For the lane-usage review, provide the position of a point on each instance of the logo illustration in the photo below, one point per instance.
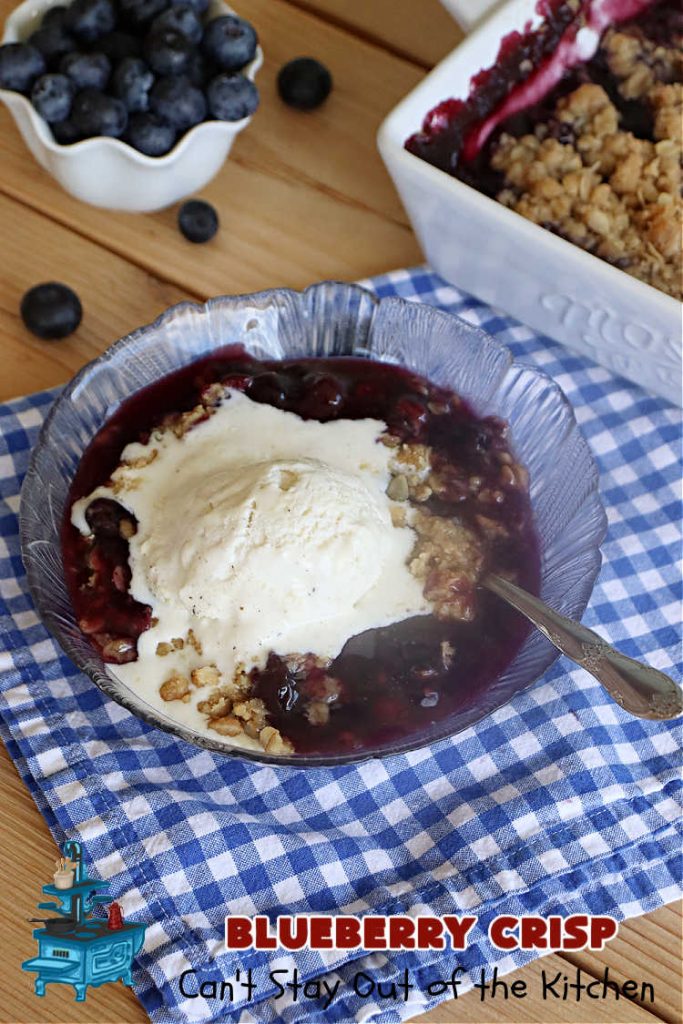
(75, 948)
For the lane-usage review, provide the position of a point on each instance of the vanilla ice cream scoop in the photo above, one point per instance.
(291, 541)
(258, 531)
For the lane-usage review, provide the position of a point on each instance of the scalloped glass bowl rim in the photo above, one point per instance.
(112, 688)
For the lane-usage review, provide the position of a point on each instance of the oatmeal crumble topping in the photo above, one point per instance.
(226, 725)
(253, 713)
(220, 700)
(586, 177)
(318, 713)
(228, 708)
(447, 653)
(448, 557)
(167, 647)
(207, 675)
(176, 687)
(194, 642)
(639, 63)
(142, 460)
(273, 743)
(127, 529)
(119, 648)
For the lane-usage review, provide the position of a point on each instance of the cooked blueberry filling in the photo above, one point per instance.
(596, 158)
(453, 469)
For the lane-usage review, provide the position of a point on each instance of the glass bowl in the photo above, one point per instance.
(328, 319)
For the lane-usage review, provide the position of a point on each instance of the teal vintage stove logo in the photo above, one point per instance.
(75, 948)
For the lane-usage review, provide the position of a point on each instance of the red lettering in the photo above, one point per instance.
(499, 929)
(348, 933)
(375, 937)
(238, 932)
(602, 929)
(430, 933)
(401, 932)
(292, 931)
(554, 932)
(575, 927)
(321, 932)
(262, 937)
(459, 929)
(532, 932)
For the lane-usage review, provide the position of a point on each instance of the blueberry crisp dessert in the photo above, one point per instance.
(578, 128)
(144, 71)
(286, 556)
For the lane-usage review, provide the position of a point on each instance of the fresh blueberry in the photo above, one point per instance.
(119, 45)
(140, 13)
(65, 132)
(304, 83)
(90, 19)
(150, 135)
(51, 310)
(168, 52)
(54, 17)
(271, 387)
(87, 70)
(180, 18)
(95, 113)
(197, 220)
(131, 83)
(104, 518)
(20, 65)
(200, 7)
(199, 70)
(178, 102)
(230, 42)
(53, 43)
(232, 97)
(52, 96)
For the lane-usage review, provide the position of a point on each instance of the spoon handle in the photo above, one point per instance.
(639, 689)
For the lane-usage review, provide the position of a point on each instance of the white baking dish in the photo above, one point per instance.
(509, 262)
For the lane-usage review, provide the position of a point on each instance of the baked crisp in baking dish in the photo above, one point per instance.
(598, 159)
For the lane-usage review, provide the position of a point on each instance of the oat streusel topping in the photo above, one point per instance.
(600, 186)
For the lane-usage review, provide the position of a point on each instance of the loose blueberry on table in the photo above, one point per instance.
(51, 311)
(90, 67)
(391, 685)
(198, 220)
(304, 83)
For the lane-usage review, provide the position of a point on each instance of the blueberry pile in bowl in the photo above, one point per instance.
(143, 71)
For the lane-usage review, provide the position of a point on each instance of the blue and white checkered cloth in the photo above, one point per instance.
(559, 802)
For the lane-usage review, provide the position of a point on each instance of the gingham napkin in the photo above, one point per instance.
(559, 802)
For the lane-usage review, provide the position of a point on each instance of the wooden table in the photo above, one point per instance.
(303, 197)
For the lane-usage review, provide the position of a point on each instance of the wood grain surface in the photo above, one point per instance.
(302, 197)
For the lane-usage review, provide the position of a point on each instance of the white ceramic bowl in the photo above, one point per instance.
(509, 262)
(107, 172)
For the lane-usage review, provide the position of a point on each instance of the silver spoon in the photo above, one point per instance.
(638, 689)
